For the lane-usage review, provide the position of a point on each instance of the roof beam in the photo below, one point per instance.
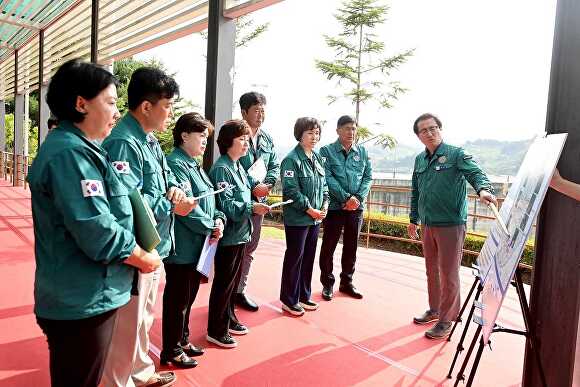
(7, 46)
(19, 24)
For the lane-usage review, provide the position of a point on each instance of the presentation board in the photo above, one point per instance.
(501, 252)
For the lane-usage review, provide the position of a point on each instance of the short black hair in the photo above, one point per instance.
(345, 120)
(250, 99)
(423, 117)
(304, 124)
(150, 84)
(230, 130)
(73, 79)
(189, 123)
(51, 122)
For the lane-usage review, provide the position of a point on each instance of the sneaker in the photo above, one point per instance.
(161, 379)
(179, 361)
(238, 329)
(309, 305)
(426, 318)
(295, 310)
(440, 331)
(226, 341)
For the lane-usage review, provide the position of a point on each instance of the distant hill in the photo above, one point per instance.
(495, 157)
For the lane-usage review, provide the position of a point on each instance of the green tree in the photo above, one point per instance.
(359, 65)
(246, 31)
(123, 69)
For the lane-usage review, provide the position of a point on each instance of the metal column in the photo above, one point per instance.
(219, 73)
(555, 294)
(43, 110)
(2, 126)
(95, 31)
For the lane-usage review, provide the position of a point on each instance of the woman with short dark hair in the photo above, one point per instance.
(303, 182)
(235, 202)
(191, 231)
(80, 282)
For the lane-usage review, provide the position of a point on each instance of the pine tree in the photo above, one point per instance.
(359, 64)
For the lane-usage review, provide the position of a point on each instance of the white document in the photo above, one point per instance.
(207, 256)
(279, 204)
(208, 194)
(258, 170)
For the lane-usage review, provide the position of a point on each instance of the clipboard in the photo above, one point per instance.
(258, 170)
(145, 225)
(207, 256)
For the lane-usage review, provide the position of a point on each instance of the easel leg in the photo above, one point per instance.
(530, 333)
(458, 320)
(465, 328)
(475, 363)
(461, 373)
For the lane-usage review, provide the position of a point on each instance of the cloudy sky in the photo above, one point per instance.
(482, 66)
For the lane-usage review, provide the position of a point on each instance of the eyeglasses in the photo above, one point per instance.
(431, 129)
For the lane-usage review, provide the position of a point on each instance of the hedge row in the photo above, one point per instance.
(387, 225)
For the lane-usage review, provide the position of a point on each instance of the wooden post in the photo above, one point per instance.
(555, 296)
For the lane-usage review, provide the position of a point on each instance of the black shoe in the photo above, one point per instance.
(226, 341)
(179, 361)
(295, 310)
(245, 302)
(309, 305)
(327, 293)
(238, 329)
(350, 291)
(192, 350)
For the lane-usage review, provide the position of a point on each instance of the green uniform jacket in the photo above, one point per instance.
(141, 163)
(83, 228)
(191, 230)
(303, 181)
(265, 151)
(235, 202)
(346, 177)
(439, 189)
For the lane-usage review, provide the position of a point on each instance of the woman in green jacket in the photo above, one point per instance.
(236, 203)
(303, 182)
(191, 231)
(83, 227)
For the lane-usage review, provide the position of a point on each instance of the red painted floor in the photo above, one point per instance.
(369, 342)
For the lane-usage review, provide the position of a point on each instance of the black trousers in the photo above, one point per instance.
(181, 286)
(298, 263)
(336, 221)
(78, 348)
(227, 264)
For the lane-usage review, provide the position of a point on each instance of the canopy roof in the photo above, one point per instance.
(125, 27)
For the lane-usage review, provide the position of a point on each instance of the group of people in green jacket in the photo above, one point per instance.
(96, 287)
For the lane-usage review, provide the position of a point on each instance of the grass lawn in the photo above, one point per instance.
(272, 232)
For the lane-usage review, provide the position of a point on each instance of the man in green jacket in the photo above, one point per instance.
(136, 154)
(439, 204)
(349, 178)
(261, 155)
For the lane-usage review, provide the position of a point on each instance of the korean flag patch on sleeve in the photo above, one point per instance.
(288, 173)
(222, 184)
(92, 188)
(121, 166)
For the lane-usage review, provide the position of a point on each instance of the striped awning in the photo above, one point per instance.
(125, 28)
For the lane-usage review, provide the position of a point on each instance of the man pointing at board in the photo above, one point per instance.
(439, 204)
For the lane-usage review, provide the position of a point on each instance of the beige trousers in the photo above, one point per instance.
(443, 250)
(128, 363)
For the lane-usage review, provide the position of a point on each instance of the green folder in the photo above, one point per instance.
(145, 225)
